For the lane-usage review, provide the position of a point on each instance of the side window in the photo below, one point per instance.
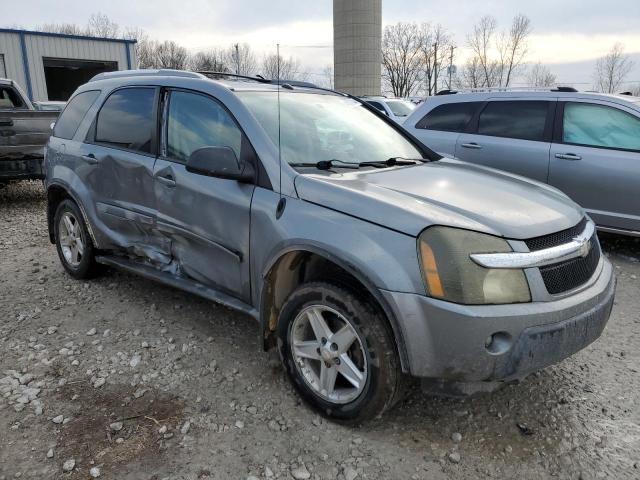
(195, 121)
(73, 114)
(126, 120)
(600, 126)
(9, 98)
(524, 120)
(449, 117)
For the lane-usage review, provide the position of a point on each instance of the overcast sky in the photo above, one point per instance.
(567, 34)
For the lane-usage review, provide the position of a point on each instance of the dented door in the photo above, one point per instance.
(206, 219)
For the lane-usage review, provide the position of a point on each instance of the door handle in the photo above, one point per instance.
(6, 122)
(471, 145)
(568, 156)
(90, 159)
(167, 180)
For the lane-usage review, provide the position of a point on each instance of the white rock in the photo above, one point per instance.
(454, 457)
(25, 379)
(91, 332)
(162, 430)
(240, 424)
(99, 382)
(94, 472)
(50, 453)
(68, 465)
(456, 437)
(350, 473)
(116, 426)
(301, 473)
(140, 392)
(58, 419)
(135, 361)
(185, 428)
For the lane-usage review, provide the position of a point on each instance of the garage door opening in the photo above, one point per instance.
(64, 75)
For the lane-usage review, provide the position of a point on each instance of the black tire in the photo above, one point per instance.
(87, 266)
(384, 385)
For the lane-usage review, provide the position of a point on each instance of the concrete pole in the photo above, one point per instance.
(357, 46)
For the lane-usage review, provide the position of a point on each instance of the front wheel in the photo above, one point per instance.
(339, 352)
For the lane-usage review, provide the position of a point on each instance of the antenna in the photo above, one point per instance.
(279, 142)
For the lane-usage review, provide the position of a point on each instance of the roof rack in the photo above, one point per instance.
(507, 89)
(257, 78)
(163, 72)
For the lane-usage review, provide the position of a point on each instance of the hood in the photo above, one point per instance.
(446, 192)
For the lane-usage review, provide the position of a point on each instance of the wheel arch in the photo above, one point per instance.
(57, 192)
(297, 264)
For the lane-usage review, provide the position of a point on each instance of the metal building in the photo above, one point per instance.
(50, 66)
(357, 46)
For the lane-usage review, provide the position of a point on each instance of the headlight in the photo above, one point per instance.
(450, 274)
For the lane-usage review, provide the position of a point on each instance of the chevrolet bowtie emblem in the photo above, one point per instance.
(585, 247)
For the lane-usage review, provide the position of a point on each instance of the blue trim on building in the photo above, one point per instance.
(66, 35)
(25, 64)
(126, 48)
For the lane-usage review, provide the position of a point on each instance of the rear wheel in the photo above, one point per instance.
(339, 352)
(73, 242)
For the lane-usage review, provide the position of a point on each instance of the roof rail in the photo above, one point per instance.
(257, 78)
(508, 89)
(163, 72)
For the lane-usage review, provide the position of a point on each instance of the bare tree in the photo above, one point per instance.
(327, 73)
(213, 60)
(472, 75)
(497, 56)
(100, 25)
(241, 59)
(540, 76)
(480, 42)
(65, 28)
(437, 54)
(513, 48)
(612, 69)
(402, 58)
(635, 91)
(288, 68)
(169, 54)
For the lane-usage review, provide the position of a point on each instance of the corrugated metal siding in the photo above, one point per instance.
(38, 46)
(10, 48)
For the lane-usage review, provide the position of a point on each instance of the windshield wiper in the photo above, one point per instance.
(327, 164)
(390, 162)
(334, 163)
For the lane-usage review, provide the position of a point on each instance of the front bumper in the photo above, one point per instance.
(448, 341)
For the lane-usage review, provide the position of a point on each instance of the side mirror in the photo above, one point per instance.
(52, 126)
(220, 162)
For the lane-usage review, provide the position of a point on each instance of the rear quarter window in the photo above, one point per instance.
(73, 114)
(9, 98)
(449, 117)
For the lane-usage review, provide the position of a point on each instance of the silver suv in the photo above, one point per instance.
(397, 109)
(585, 144)
(365, 258)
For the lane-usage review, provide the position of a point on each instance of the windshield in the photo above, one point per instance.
(400, 108)
(319, 127)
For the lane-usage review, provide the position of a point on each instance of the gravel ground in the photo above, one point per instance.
(123, 378)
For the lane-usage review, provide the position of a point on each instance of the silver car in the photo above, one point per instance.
(397, 109)
(365, 258)
(585, 144)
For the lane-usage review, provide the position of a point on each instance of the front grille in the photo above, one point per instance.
(555, 239)
(564, 276)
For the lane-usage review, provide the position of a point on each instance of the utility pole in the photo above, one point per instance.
(237, 47)
(451, 65)
(435, 67)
